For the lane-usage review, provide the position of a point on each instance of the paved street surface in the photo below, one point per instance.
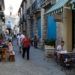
(37, 65)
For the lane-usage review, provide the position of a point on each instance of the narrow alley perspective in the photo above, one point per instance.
(37, 37)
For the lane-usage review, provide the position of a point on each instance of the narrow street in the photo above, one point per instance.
(50, 24)
(37, 65)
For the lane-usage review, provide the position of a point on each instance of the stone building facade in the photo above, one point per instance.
(63, 14)
(34, 21)
(2, 18)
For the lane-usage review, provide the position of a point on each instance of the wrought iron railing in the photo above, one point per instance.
(45, 2)
(34, 6)
(38, 4)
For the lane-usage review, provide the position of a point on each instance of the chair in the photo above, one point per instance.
(12, 56)
(4, 54)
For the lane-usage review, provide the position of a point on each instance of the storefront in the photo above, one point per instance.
(63, 16)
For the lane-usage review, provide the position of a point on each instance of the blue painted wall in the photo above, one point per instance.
(51, 27)
(39, 26)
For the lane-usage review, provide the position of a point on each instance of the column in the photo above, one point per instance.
(28, 26)
(67, 30)
(59, 31)
(43, 26)
(35, 24)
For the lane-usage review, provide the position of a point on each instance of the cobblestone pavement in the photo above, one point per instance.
(37, 65)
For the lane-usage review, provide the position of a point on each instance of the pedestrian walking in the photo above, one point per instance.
(19, 41)
(26, 46)
(35, 41)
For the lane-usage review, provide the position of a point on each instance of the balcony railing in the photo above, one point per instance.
(45, 2)
(36, 5)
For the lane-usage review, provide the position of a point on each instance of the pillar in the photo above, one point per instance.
(35, 24)
(67, 28)
(28, 26)
(59, 31)
(43, 27)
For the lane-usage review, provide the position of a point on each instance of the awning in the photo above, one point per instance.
(57, 7)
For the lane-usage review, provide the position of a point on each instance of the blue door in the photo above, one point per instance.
(51, 27)
(39, 26)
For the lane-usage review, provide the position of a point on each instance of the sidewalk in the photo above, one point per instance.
(37, 65)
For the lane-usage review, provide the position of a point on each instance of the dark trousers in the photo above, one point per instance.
(24, 51)
(35, 44)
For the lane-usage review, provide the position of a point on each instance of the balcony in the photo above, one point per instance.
(36, 6)
(44, 3)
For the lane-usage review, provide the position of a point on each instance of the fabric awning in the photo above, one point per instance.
(57, 7)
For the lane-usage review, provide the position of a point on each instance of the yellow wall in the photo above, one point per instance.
(67, 28)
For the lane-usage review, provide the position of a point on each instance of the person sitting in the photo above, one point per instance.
(61, 46)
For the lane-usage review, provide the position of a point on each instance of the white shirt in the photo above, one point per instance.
(19, 40)
(22, 37)
(59, 48)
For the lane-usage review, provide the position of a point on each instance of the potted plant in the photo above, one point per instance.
(49, 46)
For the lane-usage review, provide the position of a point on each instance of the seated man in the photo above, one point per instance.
(60, 47)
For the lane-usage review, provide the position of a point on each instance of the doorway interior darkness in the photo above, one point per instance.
(73, 28)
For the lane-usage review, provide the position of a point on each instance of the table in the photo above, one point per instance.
(64, 57)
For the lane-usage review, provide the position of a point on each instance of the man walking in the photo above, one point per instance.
(26, 46)
(19, 41)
